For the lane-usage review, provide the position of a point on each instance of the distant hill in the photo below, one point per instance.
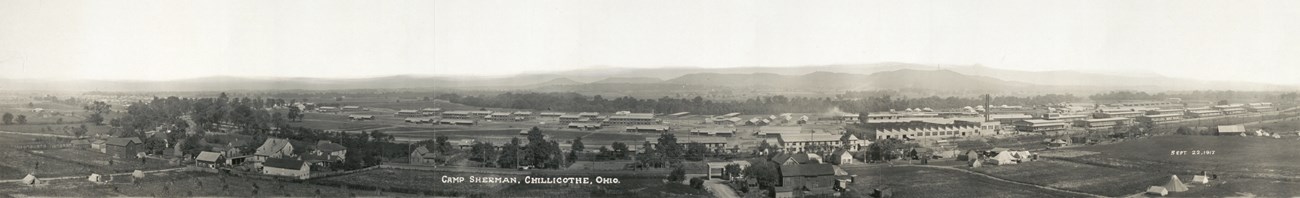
(889, 75)
(941, 80)
(628, 80)
(557, 82)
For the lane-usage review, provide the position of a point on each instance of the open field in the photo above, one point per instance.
(337, 125)
(1239, 187)
(627, 187)
(42, 166)
(195, 184)
(432, 181)
(1232, 156)
(1077, 177)
(55, 129)
(404, 104)
(419, 180)
(557, 135)
(1285, 128)
(102, 161)
(906, 181)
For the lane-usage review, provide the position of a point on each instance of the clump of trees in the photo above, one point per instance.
(889, 149)
(763, 171)
(537, 153)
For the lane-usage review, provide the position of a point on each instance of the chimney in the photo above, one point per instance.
(987, 101)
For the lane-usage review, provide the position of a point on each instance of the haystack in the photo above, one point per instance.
(137, 174)
(1174, 185)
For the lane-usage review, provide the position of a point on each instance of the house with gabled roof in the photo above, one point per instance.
(273, 148)
(330, 150)
(423, 156)
(809, 179)
(127, 148)
(209, 159)
(286, 167)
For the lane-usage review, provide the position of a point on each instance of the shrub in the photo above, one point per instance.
(677, 175)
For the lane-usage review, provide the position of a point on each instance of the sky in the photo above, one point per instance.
(1238, 40)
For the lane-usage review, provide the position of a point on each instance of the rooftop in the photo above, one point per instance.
(283, 163)
(807, 170)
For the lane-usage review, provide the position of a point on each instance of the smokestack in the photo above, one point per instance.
(987, 101)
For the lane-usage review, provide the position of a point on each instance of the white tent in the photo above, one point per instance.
(1200, 179)
(1003, 158)
(1023, 156)
(137, 174)
(95, 178)
(31, 180)
(1175, 185)
(1157, 190)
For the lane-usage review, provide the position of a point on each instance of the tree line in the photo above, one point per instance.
(574, 102)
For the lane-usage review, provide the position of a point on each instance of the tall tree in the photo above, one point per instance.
(95, 118)
(577, 144)
(669, 148)
(8, 118)
(509, 157)
(576, 148)
(696, 151)
(294, 113)
(620, 150)
(764, 171)
(22, 119)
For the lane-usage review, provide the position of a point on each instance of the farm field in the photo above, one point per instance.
(196, 184)
(1239, 187)
(627, 187)
(1286, 128)
(431, 181)
(55, 129)
(1077, 177)
(419, 180)
(101, 161)
(906, 181)
(41, 166)
(405, 104)
(559, 136)
(337, 125)
(1265, 155)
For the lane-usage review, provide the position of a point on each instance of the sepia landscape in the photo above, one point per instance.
(681, 99)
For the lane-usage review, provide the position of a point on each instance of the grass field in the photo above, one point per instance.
(101, 161)
(56, 129)
(42, 166)
(337, 125)
(196, 184)
(422, 180)
(932, 182)
(1288, 127)
(559, 136)
(1078, 177)
(405, 104)
(1233, 156)
(431, 180)
(1240, 187)
(627, 187)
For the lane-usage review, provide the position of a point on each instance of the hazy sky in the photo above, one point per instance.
(1223, 40)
